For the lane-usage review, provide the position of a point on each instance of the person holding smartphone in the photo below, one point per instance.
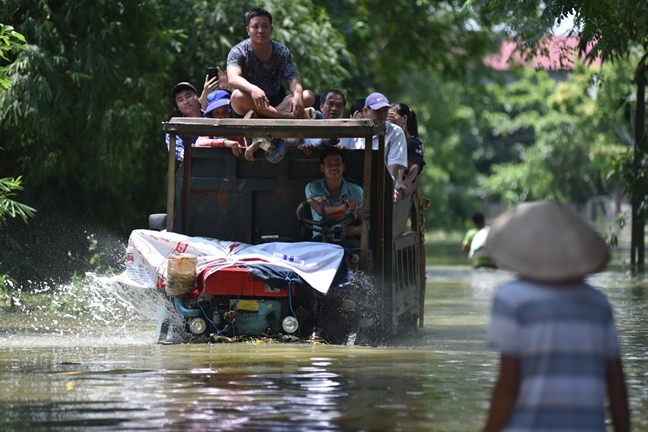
(215, 80)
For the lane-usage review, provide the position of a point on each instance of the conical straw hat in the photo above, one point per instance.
(546, 241)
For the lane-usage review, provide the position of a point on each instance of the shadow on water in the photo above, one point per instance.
(88, 360)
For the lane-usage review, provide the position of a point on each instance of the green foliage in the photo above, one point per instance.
(567, 160)
(617, 98)
(613, 30)
(534, 138)
(610, 27)
(446, 163)
(84, 103)
(390, 38)
(10, 40)
(9, 207)
(633, 173)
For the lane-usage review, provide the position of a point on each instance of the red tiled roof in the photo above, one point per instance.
(548, 57)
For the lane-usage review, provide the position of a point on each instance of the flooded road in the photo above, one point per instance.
(102, 369)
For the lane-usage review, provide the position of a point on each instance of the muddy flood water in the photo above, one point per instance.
(96, 366)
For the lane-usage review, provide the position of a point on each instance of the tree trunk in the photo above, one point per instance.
(637, 256)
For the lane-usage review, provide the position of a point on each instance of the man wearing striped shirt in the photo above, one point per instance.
(556, 333)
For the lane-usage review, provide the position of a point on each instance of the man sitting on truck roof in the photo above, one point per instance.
(255, 69)
(340, 196)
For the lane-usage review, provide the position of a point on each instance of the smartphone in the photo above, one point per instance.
(212, 72)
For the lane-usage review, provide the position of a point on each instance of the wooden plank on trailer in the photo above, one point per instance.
(273, 128)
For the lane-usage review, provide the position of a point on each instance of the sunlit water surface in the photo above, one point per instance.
(98, 367)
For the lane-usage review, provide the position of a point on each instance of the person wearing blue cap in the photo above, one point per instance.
(218, 108)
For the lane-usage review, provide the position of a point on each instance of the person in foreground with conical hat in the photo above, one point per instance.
(555, 332)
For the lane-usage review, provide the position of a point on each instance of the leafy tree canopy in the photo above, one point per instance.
(613, 27)
(10, 40)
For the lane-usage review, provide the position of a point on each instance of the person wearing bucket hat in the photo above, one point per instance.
(218, 103)
(556, 333)
(218, 108)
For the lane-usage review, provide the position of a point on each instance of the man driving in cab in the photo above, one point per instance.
(340, 197)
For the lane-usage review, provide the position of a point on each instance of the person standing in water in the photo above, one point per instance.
(556, 334)
(474, 243)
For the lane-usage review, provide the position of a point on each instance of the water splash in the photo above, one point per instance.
(91, 310)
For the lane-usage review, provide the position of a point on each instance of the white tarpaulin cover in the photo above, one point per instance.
(148, 252)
